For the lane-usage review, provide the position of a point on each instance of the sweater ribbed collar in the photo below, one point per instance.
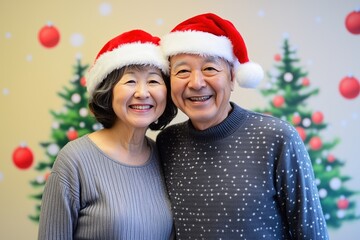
(227, 127)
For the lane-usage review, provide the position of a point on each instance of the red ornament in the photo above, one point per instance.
(296, 119)
(277, 57)
(46, 176)
(315, 143)
(83, 81)
(343, 203)
(317, 117)
(301, 132)
(349, 87)
(278, 101)
(72, 134)
(305, 82)
(23, 157)
(352, 22)
(331, 158)
(49, 36)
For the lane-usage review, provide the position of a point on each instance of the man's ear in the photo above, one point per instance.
(232, 78)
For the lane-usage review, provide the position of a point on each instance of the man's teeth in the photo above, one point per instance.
(142, 107)
(204, 98)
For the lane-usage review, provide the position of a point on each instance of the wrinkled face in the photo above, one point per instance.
(139, 98)
(201, 87)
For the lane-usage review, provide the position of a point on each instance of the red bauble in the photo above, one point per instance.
(46, 176)
(23, 157)
(331, 158)
(301, 132)
(349, 87)
(296, 119)
(315, 143)
(305, 82)
(277, 57)
(352, 22)
(343, 203)
(83, 81)
(72, 134)
(278, 101)
(317, 117)
(49, 36)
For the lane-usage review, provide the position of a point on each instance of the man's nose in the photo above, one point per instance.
(197, 80)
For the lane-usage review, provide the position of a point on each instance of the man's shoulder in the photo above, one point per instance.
(174, 128)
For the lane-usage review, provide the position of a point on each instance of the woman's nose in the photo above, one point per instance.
(141, 91)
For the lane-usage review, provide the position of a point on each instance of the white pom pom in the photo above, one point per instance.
(249, 75)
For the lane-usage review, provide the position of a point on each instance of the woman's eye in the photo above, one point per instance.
(154, 82)
(130, 82)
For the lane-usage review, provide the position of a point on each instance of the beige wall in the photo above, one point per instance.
(31, 76)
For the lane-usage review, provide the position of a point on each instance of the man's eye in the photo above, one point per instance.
(211, 69)
(183, 73)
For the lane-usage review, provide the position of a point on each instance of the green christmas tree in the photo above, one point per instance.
(72, 122)
(288, 90)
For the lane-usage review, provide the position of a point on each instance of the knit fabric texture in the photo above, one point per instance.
(91, 196)
(250, 177)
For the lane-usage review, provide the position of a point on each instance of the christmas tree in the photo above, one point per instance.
(287, 92)
(72, 122)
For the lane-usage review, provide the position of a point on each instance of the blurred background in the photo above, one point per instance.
(46, 47)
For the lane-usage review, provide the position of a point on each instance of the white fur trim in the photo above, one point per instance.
(249, 75)
(126, 54)
(196, 42)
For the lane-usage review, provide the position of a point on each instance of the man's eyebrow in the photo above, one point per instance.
(177, 64)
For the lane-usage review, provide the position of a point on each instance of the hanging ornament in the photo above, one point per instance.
(55, 125)
(72, 134)
(331, 158)
(335, 183)
(322, 193)
(23, 157)
(278, 101)
(49, 36)
(328, 168)
(315, 143)
(277, 57)
(306, 122)
(83, 112)
(343, 203)
(75, 98)
(352, 22)
(296, 119)
(83, 81)
(46, 176)
(40, 179)
(340, 213)
(349, 87)
(288, 77)
(305, 82)
(53, 149)
(317, 117)
(301, 132)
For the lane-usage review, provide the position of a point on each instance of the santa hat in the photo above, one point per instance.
(132, 47)
(210, 35)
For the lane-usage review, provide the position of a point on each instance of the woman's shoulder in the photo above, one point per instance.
(72, 153)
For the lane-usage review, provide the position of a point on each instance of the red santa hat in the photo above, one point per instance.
(210, 35)
(132, 47)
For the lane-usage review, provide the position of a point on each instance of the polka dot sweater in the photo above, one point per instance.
(249, 177)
